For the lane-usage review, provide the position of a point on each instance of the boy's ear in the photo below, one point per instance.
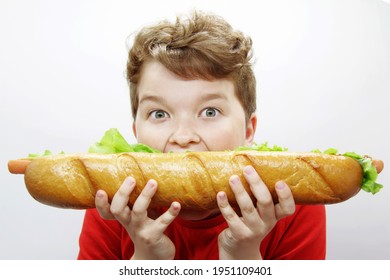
(251, 129)
(134, 130)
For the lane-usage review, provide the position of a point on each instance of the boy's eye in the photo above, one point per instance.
(210, 112)
(159, 114)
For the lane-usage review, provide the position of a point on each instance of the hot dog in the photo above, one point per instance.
(191, 178)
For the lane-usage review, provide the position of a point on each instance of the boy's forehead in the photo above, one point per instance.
(153, 68)
(203, 90)
(156, 78)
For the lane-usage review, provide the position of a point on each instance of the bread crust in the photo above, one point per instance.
(191, 178)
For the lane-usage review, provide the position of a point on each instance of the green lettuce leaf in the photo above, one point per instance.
(261, 148)
(45, 153)
(113, 142)
(370, 176)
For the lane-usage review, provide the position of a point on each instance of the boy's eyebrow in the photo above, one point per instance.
(153, 98)
(203, 98)
(212, 96)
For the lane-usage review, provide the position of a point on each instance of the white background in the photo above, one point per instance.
(323, 70)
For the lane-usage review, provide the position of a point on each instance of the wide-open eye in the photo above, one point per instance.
(210, 112)
(159, 114)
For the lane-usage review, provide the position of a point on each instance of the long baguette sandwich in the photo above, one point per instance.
(192, 178)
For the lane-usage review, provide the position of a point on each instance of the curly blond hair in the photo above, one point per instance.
(201, 46)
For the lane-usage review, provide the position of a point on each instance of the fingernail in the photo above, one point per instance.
(234, 180)
(222, 195)
(130, 180)
(249, 170)
(222, 200)
(99, 194)
(280, 185)
(152, 183)
(175, 205)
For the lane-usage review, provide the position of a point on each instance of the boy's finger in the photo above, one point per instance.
(265, 204)
(119, 205)
(168, 217)
(244, 201)
(102, 205)
(142, 203)
(235, 223)
(286, 205)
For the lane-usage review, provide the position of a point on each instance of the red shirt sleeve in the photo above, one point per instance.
(301, 236)
(101, 239)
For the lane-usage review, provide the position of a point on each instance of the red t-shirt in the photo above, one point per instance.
(300, 236)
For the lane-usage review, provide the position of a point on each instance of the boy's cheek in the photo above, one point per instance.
(226, 137)
(151, 136)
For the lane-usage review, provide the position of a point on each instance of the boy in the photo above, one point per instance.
(192, 88)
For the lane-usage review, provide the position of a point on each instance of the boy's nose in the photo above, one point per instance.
(184, 136)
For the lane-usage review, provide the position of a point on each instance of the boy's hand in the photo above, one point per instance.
(147, 234)
(241, 240)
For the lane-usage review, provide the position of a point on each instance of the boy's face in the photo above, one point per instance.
(181, 115)
(197, 115)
